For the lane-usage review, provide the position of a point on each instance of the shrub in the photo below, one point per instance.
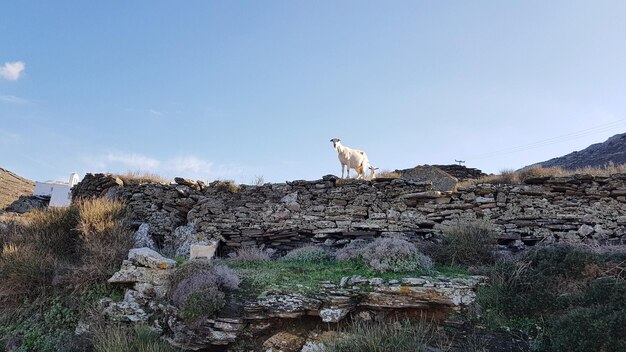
(395, 255)
(24, 270)
(79, 244)
(541, 281)
(123, 339)
(308, 254)
(105, 237)
(196, 287)
(51, 230)
(595, 323)
(466, 242)
(352, 250)
(250, 254)
(98, 215)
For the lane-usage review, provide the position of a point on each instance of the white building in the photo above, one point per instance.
(60, 192)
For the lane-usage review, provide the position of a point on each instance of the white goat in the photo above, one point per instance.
(351, 158)
(372, 172)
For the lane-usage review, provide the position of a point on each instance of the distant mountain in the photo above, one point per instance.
(12, 187)
(613, 150)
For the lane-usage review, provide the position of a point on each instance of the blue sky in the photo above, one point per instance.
(232, 89)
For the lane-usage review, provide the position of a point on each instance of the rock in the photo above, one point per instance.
(125, 311)
(333, 315)
(585, 230)
(149, 258)
(130, 274)
(199, 251)
(25, 204)
(440, 180)
(283, 342)
(142, 237)
(204, 334)
(187, 182)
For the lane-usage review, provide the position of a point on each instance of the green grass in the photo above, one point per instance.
(295, 276)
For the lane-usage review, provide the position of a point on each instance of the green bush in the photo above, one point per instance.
(573, 294)
(308, 254)
(44, 325)
(539, 282)
(594, 323)
(466, 243)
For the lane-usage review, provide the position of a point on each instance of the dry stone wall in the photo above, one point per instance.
(331, 212)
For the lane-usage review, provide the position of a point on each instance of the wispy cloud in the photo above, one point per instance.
(12, 70)
(13, 99)
(155, 112)
(9, 137)
(135, 161)
(189, 166)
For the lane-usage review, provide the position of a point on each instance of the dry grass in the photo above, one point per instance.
(12, 187)
(227, 186)
(387, 174)
(138, 178)
(80, 244)
(510, 177)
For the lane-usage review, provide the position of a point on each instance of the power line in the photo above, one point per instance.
(553, 140)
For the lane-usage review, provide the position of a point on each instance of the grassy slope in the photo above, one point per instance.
(12, 187)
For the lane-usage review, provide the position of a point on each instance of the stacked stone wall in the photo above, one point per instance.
(331, 212)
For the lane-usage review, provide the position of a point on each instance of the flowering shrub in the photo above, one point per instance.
(250, 254)
(394, 255)
(308, 254)
(352, 250)
(197, 287)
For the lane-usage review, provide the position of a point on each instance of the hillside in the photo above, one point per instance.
(12, 187)
(613, 150)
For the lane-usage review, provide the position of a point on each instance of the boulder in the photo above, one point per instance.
(150, 258)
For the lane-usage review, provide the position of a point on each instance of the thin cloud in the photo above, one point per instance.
(12, 99)
(7, 138)
(12, 70)
(134, 161)
(189, 166)
(155, 112)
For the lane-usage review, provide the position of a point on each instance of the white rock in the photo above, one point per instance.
(150, 258)
(142, 237)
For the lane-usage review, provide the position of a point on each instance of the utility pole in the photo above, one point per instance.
(460, 162)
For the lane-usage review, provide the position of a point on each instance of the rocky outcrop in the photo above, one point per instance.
(372, 298)
(612, 151)
(460, 172)
(441, 180)
(25, 204)
(354, 294)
